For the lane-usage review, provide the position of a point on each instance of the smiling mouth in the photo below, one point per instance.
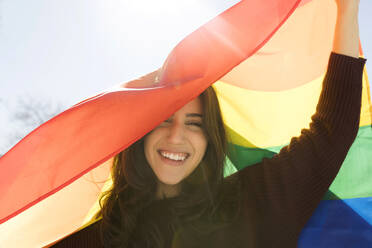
(174, 156)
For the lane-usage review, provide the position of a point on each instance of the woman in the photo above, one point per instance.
(169, 191)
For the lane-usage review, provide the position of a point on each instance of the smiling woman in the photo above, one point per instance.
(182, 159)
(169, 149)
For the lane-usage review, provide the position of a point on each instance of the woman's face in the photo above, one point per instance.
(177, 146)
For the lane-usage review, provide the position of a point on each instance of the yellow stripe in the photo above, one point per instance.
(89, 218)
(266, 119)
(366, 111)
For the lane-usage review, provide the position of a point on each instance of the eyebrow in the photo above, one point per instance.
(194, 115)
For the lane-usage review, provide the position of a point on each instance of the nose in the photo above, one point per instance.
(176, 133)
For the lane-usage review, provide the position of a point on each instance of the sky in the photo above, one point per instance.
(65, 51)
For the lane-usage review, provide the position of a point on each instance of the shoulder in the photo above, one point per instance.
(88, 236)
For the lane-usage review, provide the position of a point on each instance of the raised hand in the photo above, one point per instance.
(347, 3)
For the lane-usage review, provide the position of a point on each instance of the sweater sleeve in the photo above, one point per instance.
(286, 189)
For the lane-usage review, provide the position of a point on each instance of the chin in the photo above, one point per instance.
(170, 181)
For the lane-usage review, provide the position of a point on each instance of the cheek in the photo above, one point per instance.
(200, 144)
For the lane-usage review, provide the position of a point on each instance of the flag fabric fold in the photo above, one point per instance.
(65, 148)
(268, 61)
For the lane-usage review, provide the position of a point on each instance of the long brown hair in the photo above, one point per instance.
(134, 183)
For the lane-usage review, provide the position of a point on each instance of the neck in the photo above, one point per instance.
(167, 191)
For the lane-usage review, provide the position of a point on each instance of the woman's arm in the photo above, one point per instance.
(281, 193)
(346, 39)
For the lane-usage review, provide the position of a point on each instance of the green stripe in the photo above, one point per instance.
(353, 180)
(355, 176)
(242, 157)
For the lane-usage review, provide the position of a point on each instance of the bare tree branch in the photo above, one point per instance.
(28, 114)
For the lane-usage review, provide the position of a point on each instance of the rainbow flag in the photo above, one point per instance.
(270, 97)
(267, 59)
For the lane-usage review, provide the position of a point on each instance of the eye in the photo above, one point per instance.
(195, 124)
(166, 123)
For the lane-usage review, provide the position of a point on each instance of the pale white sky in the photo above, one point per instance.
(67, 50)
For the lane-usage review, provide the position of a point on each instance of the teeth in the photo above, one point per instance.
(174, 156)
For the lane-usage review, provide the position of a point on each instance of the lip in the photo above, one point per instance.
(170, 161)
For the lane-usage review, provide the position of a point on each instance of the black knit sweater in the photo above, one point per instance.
(278, 195)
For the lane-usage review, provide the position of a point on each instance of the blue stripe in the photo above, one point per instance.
(339, 223)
